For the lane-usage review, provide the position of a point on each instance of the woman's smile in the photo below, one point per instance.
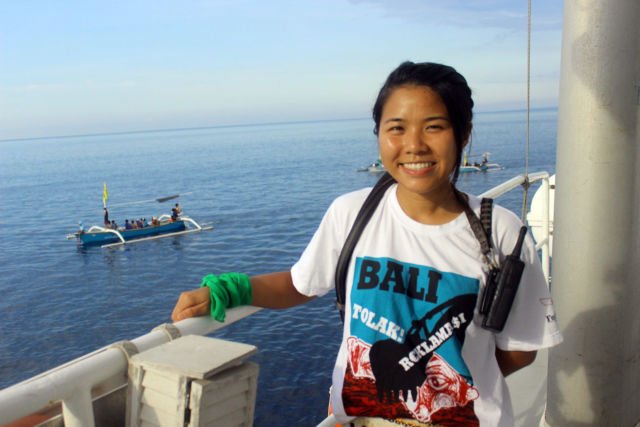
(418, 166)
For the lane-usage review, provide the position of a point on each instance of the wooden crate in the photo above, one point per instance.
(192, 381)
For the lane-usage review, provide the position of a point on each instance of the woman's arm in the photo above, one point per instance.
(273, 290)
(512, 361)
(276, 290)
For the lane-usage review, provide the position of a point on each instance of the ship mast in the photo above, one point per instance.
(594, 376)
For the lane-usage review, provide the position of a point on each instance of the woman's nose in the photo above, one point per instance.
(415, 141)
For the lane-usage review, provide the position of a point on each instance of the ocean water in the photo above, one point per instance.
(264, 188)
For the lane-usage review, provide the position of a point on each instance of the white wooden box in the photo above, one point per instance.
(192, 381)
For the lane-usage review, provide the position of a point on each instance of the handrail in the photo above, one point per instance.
(72, 382)
(543, 244)
(514, 183)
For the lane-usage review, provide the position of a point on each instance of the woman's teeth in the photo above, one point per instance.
(417, 166)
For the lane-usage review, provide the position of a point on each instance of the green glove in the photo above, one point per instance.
(227, 290)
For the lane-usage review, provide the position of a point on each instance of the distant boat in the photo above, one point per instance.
(164, 227)
(482, 166)
(375, 167)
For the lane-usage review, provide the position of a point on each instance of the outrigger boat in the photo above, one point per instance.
(165, 227)
(483, 166)
(375, 167)
(479, 167)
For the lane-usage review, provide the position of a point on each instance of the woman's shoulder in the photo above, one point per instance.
(505, 227)
(352, 199)
(345, 207)
(506, 217)
(500, 215)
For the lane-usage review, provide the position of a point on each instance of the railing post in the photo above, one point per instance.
(77, 410)
(545, 227)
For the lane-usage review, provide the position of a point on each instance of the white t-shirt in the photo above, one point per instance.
(412, 345)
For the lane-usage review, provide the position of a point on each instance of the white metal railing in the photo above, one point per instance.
(544, 223)
(72, 383)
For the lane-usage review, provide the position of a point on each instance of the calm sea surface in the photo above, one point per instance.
(264, 188)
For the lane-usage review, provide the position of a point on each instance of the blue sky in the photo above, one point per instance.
(76, 67)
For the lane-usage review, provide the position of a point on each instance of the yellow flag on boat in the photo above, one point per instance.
(105, 195)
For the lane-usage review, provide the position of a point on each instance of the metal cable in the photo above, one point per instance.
(525, 184)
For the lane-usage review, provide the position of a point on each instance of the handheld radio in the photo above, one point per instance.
(501, 287)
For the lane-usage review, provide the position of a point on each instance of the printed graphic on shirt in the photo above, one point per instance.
(407, 328)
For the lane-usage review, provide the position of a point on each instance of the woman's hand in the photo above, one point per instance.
(512, 361)
(192, 303)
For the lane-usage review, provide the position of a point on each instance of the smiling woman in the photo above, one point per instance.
(414, 347)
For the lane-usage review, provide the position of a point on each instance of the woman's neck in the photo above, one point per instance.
(431, 209)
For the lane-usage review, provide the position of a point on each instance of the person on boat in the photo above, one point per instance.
(107, 223)
(414, 350)
(127, 225)
(175, 212)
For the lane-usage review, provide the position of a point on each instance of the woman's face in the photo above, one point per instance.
(417, 143)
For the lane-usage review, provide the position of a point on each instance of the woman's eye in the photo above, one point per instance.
(433, 128)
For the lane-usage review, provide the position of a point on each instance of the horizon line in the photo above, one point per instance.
(82, 135)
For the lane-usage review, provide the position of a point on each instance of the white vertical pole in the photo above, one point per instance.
(77, 410)
(545, 226)
(594, 375)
